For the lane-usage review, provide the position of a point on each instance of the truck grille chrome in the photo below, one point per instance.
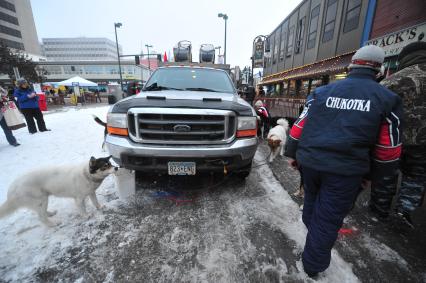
(181, 126)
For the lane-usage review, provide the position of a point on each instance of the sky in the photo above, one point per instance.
(162, 23)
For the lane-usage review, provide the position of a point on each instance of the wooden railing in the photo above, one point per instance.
(283, 106)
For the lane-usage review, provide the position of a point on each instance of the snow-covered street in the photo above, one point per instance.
(237, 231)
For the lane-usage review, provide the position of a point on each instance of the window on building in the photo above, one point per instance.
(112, 69)
(277, 45)
(330, 20)
(12, 44)
(94, 69)
(9, 6)
(313, 27)
(282, 48)
(10, 31)
(353, 11)
(274, 54)
(53, 70)
(290, 41)
(9, 18)
(300, 35)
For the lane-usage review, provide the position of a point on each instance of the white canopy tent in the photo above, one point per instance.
(77, 80)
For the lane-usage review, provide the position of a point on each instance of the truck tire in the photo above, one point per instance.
(244, 172)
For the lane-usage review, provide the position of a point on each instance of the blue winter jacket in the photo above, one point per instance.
(23, 100)
(349, 126)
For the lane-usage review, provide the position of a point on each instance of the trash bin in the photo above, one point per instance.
(42, 102)
(112, 99)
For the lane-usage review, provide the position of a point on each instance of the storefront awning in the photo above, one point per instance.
(328, 66)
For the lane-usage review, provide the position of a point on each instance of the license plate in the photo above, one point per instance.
(181, 168)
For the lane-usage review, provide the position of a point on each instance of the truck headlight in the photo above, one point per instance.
(247, 127)
(117, 124)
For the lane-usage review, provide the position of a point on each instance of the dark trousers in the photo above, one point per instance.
(7, 132)
(328, 199)
(98, 97)
(413, 184)
(34, 113)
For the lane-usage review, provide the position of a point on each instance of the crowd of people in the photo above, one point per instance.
(27, 102)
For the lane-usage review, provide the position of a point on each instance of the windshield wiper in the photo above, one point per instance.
(155, 87)
(201, 89)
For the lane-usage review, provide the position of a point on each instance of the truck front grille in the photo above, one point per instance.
(181, 126)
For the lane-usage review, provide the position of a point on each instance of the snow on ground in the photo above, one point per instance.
(73, 139)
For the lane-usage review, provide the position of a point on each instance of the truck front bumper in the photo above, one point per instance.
(154, 158)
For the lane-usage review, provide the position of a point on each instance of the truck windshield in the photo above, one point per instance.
(193, 79)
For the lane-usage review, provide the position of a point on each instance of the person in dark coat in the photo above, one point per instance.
(410, 84)
(7, 131)
(346, 127)
(97, 96)
(28, 103)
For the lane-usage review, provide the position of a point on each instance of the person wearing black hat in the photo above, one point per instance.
(410, 84)
(28, 103)
(348, 129)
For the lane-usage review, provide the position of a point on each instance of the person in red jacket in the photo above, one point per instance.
(265, 119)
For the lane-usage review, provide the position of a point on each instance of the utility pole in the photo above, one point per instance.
(225, 17)
(118, 25)
(149, 61)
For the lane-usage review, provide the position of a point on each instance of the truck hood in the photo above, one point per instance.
(185, 99)
(188, 95)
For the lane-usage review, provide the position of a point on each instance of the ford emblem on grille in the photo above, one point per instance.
(182, 128)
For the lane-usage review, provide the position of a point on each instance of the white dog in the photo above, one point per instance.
(277, 138)
(33, 189)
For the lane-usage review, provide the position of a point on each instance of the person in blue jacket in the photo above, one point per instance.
(28, 103)
(348, 129)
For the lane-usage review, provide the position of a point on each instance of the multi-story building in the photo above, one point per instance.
(101, 72)
(80, 48)
(314, 44)
(17, 27)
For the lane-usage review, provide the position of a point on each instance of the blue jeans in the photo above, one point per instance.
(7, 132)
(328, 199)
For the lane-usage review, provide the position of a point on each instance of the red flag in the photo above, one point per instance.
(165, 57)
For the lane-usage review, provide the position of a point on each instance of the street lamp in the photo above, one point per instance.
(149, 62)
(258, 38)
(225, 17)
(118, 25)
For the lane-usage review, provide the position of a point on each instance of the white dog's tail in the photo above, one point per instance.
(283, 122)
(6, 209)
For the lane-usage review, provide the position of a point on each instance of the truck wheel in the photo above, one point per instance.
(244, 172)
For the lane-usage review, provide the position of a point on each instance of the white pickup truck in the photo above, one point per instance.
(185, 121)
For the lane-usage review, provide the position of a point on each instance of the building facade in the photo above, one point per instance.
(396, 24)
(17, 27)
(101, 72)
(314, 44)
(80, 48)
